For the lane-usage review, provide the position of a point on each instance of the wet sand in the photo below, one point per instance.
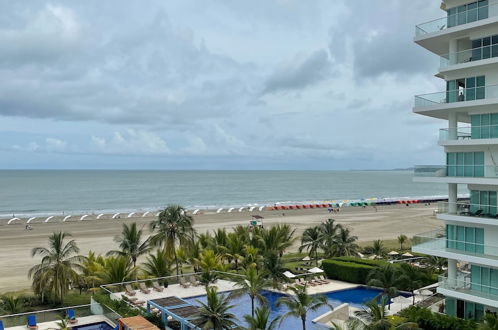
(97, 235)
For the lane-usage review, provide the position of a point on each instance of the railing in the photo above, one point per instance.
(457, 95)
(437, 241)
(55, 315)
(457, 19)
(468, 210)
(463, 171)
(466, 286)
(468, 55)
(469, 133)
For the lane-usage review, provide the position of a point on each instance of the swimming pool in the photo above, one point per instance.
(355, 297)
(94, 326)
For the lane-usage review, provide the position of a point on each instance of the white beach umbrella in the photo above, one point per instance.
(289, 274)
(361, 255)
(407, 254)
(393, 253)
(315, 270)
(373, 257)
(307, 258)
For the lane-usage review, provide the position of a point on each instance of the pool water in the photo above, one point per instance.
(94, 326)
(355, 297)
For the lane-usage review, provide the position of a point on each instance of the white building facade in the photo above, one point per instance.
(466, 40)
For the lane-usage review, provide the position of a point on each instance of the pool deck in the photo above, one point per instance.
(53, 324)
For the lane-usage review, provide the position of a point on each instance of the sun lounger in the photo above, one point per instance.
(1, 325)
(138, 303)
(184, 283)
(143, 288)
(71, 316)
(129, 290)
(32, 322)
(324, 280)
(157, 287)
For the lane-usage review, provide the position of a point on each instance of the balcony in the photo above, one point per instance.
(455, 173)
(469, 135)
(468, 56)
(463, 288)
(457, 96)
(457, 19)
(436, 243)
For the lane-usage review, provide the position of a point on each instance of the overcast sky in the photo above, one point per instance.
(261, 84)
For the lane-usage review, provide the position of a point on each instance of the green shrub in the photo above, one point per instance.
(432, 321)
(346, 271)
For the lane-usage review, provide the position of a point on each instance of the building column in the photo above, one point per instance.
(452, 198)
(452, 273)
(452, 57)
(452, 126)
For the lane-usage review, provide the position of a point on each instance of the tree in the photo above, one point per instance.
(311, 240)
(116, 270)
(234, 249)
(410, 277)
(58, 268)
(158, 265)
(276, 239)
(344, 243)
(328, 231)
(260, 319)
(384, 277)
(490, 322)
(131, 244)
(437, 263)
(273, 267)
(11, 304)
(251, 284)
(375, 316)
(209, 262)
(92, 265)
(173, 226)
(214, 314)
(300, 303)
(251, 256)
(402, 240)
(378, 248)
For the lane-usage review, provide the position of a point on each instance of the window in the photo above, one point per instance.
(465, 238)
(469, 164)
(470, 12)
(485, 201)
(484, 279)
(466, 89)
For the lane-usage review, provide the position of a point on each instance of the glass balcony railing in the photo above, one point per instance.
(438, 242)
(468, 210)
(468, 55)
(464, 285)
(468, 16)
(457, 95)
(465, 171)
(469, 133)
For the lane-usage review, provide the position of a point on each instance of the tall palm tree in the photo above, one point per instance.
(410, 276)
(251, 256)
(157, 265)
(375, 315)
(328, 230)
(402, 240)
(59, 265)
(384, 277)
(173, 226)
(300, 303)
(311, 240)
(378, 248)
(276, 239)
(344, 243)
(131, 243)
(251, 284)
(490, 322)
(234, 249)
(273, 267)
(209, 262)
(214, 314)
(260, 319)
(117, 269)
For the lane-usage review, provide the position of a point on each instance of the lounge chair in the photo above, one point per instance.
(143, 288)
(32, 322)
(130, 299)
(157, 287)
(302, 281)
(324, 280)
(138, 303)
(129, 290)
(71, 316)
(1, 325)
(194, 281)
(184, 283)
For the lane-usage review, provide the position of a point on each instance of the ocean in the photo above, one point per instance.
(54, 192)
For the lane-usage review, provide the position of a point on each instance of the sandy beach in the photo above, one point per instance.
(97, 235)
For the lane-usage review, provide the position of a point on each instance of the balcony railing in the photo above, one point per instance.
(468, 210)
(457, 19)
(457, 95)
(464, 285)
(438, 242)
(468, 133)
(468, 55)
(459, 171)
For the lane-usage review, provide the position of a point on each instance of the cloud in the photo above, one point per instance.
(130, 142)
(300, 72)
(48, 145)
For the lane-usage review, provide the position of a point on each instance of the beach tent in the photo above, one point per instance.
(315, 270)
(307, 258)
(393, 253)
(289, 274)
(407, 254)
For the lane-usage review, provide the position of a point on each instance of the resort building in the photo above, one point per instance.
(466, 40)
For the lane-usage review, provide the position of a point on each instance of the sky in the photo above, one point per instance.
(262, 84)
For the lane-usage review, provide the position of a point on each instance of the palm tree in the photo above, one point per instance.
(251, 256)
(234, 249)
(158, 265)
(273, 267)
(311, 240)
(11, 304)
(300, 303)
(131, 243)
(251, 284)
(384, 277)
(214, 314)
(436, 263)
(209, 262)
(116, 270)
(276, 239)
(328, 230)
(259, 321)
(410, 276)
(58, 268)
(375, 316)
(490, 322)
(344, 243)
(378, 248)
(91, 266)
(173, 226)
(402, 240)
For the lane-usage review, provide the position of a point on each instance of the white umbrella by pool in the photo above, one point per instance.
(315, 270)
(407, 254)
(307, 258)
(289, 274)
(393, 253)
